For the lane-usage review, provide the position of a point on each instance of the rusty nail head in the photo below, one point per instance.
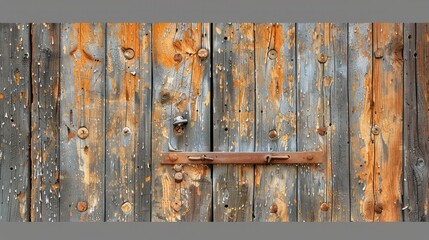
(310, 157)
(273, 134)
(82, 206)
(176, 205)
(375, 130)
(126, 207)
(178, 176)
(324, 207)
(129, 53)
(322, 58)
(178, 167)
(82, 132)
(272, 54)
(379, 53)
(378, 208)
(321, 131)
(177, 57)
(203, 53)
(273, 208)
(173, 157)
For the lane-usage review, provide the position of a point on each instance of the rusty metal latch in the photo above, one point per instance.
(242, 157)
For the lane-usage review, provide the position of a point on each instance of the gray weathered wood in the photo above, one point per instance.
(45, 139)
(181, 87)
(275, 185)
(15, 94)
(233, 119)
(82, 105)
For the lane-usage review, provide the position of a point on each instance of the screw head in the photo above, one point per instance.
(322, 58)
(272, 54)
(273, 134)
(203, 53)
(177, 57)
(273, 208)
(126, 207)
(375, 130)
(321, 131)
(82, 206)
(310, 157)
(379, 53)
(178, 176)
(178, 167)
(126, 130)
(129, 53)
(173, 157)
(378, 208)
(324, 207)
(82, 132)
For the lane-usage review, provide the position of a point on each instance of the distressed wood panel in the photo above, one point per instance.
(181, 87)
(45, 139)
(312, 182)
(233, 119)
(82, 105)
(360, 117)
(127, 85)
(416, 118)
(388, 116)
(336, 126)
(15, 94)
(275, 185)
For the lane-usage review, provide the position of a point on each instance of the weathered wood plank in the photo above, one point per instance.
(275, 185)
(15, 94)
(336, 140)
(181, 87)
(312, 181)
(233, 119)
(388, 116)
(360, 115)
(82, 106)
(45, 118)
(122, 116)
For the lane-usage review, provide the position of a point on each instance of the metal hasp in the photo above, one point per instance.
(241, 157)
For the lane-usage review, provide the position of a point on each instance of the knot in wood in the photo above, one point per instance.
(321, 131)
(129, 53)
(203, 53)
(272, 54)
(177, 57)
(273, 208)
(82, 132)
(126, 207)
(375, 130)
(378, 208)
(82, 206)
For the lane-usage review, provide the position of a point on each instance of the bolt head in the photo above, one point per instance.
(310, 157)
(324, 207)
(82, 206)
(177, 57)
(126, 130)
(322, 58)
(321, 131)
(178, 167)
(82, 132)
(129, 53)
(203, 53)
(272, 54)
(379, 53)
(375, 130)
(273, 208)
(173, 157)
(273, 134)
(178, 176)
(126, 207)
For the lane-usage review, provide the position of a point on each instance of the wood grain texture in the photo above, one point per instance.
(15, 95)
(82, 105)
(360, 117)
(45, 139)
(233, 119)
(336, 140)
(275, 185)
(312, 181)
(416, 117)
(181, 87)
(388, 115)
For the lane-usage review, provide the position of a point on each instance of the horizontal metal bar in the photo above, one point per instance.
(241, 157)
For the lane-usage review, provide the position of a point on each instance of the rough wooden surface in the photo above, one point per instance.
(388, 116)
(233, 119)
(360, 117)
(15, 95)
(45, 139)
(181, 87)
(275, 185)
(82, 104)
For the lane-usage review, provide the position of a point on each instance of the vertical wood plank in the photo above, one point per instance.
(275, 185)
(82, 106)
(416, 117)
(143, 185)
(181, 87)
(360, 117)
(15, 94)
(312, 181)
(233, 119)
(336, 140)
(44, 122)
(388, 116)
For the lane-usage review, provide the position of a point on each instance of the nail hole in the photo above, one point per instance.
(226, 205)
(226, 129)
